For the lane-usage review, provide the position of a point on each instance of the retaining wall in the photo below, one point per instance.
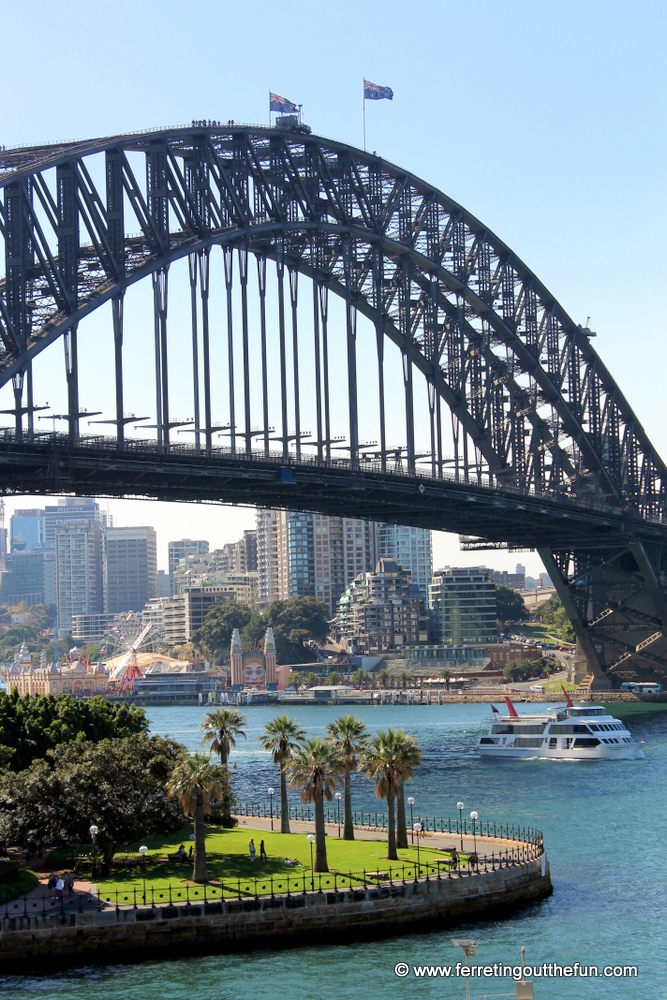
(122, 935)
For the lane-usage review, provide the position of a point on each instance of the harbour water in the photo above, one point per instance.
(604, 824)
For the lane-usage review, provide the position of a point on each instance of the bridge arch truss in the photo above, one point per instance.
(501, 405)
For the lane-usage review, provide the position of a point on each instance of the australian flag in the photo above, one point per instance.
(281, 104)
(372, 92)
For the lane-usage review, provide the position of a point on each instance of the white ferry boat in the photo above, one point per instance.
(576, 732)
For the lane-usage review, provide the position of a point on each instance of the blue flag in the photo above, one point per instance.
(372, 92)
(277, 103)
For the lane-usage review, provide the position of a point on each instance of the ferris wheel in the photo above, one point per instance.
(127, 634)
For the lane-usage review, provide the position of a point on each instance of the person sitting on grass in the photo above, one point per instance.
(180, 853)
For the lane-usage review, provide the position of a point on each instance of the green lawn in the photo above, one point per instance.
(232, 874)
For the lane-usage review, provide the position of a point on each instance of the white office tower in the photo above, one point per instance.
(79, 589)
(410, 547)
(272, 557)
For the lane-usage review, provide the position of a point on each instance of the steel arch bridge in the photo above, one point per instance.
(486, 408)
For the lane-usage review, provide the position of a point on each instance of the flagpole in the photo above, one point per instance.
(363, 110)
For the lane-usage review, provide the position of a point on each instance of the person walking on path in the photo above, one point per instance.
(60, 885)
(69, 883)
(53, 878)
(251, 849)
(262, 851)
(422, 831)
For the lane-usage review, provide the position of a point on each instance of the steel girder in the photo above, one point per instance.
(533, 407)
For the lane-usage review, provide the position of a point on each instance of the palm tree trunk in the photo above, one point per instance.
(199, 872)
(401, 830)
(321, 864)
(284, 808)
(391, 830)
(348, 825)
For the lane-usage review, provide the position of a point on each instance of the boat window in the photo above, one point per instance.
(565, 730)
(502, 729)
(487, 739)
(583, 742)
(528, 741)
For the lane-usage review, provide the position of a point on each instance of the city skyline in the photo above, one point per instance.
(223, 523)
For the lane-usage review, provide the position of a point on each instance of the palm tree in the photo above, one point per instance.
(312, 679)
(410, 757)
(282, 736)
(347, 736)
(404, 678)
(383, 677)
(194, 782)
(446, 675)
(221, 728)
(359, 678)
(315, 768)
(381, 759)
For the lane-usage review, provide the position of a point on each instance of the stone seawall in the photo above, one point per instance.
(128, 934)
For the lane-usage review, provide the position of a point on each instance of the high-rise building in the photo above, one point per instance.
(130, 568)
(180, 549)
(26, 530)
(311, 555)
(23, 579)
(69, 510)
(79, 583)
(163, 584)
(410, 547)
(463, 605)
(272, 557)
(382, 610)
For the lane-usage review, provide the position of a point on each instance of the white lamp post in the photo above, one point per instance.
(143, 851)
(411, 802)
(474, 817)
(417, 829)
(468, 948)
(93, 831)
(459, 806)
(338, 798)
(272, 792)
(311, 840)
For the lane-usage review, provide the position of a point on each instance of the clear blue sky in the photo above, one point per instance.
(545, 119)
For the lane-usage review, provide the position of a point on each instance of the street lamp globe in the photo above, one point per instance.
(460, 805)
(417, 828)
(94, 830)
(411, 801)
(311, 838)
(338, 796)
(474, 815)
(271, 791)
(143, 851)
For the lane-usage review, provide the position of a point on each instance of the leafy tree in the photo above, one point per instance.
(295, 623)
(117, 784)
(281, 737)
(509, 605)
(194, 781)
(33, 724)
(381, 759)
(409, 757)
(215, 634)
(315, 767)
(347, 735)
(525, 670)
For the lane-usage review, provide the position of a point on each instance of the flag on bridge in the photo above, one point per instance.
(372, 92)
(280, 104)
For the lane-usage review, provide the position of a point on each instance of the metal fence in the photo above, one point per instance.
(235, 890)
(378, 821)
